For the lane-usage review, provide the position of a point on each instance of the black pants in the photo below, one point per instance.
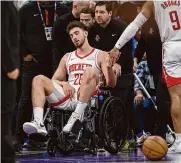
(124, 91)
(147, 117)
(8, 98)
(163, 104)
(30, 70)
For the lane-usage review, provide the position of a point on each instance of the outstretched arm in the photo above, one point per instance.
(131, 30)
(133, 27)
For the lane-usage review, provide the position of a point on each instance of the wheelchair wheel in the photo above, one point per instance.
(51, 148)
(92, 144)
(113, 124)
(67, 144)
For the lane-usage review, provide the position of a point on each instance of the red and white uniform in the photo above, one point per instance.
(168, 18)
(76, 65)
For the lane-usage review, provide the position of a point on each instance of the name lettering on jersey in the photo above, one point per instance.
(78, 67)
(170, 3)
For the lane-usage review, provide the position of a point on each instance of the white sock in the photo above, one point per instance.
(81, 106)
(38, 114)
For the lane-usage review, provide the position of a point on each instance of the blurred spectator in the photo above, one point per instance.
(103, 35)
(61, 40)
(36, 21)
(147, 80)
(92, 4)
(87, 17)
(10, 72)
(143, 106)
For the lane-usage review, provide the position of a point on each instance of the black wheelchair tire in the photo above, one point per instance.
(51, 148)
(102, 129)
(69, 147)
(92, 144)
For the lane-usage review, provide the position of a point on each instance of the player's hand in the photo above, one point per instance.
(138, 100)
(114, 55)
(13, 74)
(117, 70)
(135, 66)
(68, 89)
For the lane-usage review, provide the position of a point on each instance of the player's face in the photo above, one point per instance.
(87, 19)
(78, 36)
(102, 16)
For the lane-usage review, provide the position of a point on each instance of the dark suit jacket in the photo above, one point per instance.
(9, 37)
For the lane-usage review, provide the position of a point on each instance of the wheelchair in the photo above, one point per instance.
(105, 121)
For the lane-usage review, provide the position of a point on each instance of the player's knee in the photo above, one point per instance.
(38, 80)
(90, 74)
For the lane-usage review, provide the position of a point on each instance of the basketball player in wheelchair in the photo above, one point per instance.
(85, 68)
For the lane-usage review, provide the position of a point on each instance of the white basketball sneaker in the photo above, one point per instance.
(34, 127)
(176, 147)
(169, 138)
(74, 117)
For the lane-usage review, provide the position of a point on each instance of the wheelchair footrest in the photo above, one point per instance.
(77, 127)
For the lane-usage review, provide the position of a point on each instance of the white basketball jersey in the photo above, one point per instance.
(76, 66)
(168, 18)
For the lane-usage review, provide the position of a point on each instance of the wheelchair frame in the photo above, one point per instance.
(67, 143)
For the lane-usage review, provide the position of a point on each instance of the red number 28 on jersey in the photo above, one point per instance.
(175, 19)
(78, 78)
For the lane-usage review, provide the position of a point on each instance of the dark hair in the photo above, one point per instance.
(78, 24)
(108, 5)
(88, 11)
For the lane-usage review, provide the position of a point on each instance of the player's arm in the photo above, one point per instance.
(107, 71)
(132, 28)
(60, 74)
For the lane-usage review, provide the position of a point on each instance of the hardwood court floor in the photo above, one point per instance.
(131, 156)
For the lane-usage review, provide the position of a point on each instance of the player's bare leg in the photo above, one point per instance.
(175, 96)
(41, 87)
(87, 89)
(89, 82)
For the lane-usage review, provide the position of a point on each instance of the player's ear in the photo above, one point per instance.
(86, 33)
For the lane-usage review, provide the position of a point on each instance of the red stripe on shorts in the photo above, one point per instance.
(170, 81)
(61, 101)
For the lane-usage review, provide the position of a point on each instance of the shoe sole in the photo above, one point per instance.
(29, 129)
